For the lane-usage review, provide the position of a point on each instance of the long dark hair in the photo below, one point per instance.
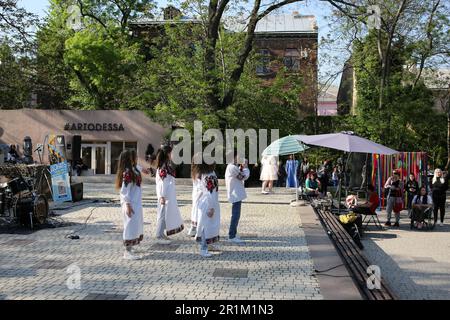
(133, 157)
(197, 169)
(420, 196)
(125, 162)
(162, 157)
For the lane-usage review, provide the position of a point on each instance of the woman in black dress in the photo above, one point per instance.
(411, 188)
(439, 187)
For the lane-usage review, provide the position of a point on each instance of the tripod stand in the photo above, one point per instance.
(342, 175)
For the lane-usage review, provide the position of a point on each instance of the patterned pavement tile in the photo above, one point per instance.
(272, 263)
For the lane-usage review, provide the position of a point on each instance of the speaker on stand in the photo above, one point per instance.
(76, 148)
(77, 188)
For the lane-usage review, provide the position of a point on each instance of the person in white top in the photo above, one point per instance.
(129, 181)
(169, 216)
(196, 192)
(421, 203)
(208, 207)
(269, 173)
(235, 175)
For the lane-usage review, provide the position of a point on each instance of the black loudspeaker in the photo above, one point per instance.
(76, 148)
(77, 191)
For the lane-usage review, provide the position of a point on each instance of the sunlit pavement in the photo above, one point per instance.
(274, 262)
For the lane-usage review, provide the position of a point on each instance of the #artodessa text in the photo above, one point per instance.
(94, 127)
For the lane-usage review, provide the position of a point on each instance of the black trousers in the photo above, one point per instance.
(439, 205)
(355, 233)
(362, 210)
(410, 199)
(323, 185)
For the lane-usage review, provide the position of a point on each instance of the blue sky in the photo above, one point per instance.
(308, 7)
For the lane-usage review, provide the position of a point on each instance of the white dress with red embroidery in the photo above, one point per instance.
(208, 199)
(165, 187)
(196, 192)
(130, 192)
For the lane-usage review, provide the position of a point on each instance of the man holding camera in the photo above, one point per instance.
(235, 176)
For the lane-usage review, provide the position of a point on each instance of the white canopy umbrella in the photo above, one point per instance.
(346, 141)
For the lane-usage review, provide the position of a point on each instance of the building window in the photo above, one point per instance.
(291, 60)
(264, 61)
(131, 146)
(116, 149)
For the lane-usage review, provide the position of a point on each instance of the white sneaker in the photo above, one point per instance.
(205, 253)
(236, 240)
(130, 256)
(192, 232)
(163, 241)
(135, 250)
(264, 192)
(441, 224)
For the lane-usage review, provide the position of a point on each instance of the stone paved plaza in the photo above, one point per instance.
(415, 263)
(274, 262)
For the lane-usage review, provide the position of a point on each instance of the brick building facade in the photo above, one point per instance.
(280, 39)
(290, 41)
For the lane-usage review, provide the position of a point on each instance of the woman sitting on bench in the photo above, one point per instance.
(312, 185)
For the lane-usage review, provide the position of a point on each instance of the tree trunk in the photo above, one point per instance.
(215, 12)
(243, 55)
(385, 57)
(429, 50)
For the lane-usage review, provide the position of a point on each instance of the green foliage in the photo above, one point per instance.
(259, 104)
(175, 76)
(407, 115)
(16, 81)
(177, 70)
(103, 67)
(53, 75)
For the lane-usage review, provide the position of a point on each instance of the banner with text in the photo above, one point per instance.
(60, 182)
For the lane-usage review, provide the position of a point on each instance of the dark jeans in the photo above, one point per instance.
(418, 215)
(355, 233)
(439, 205)
(235, 215)
(409, 198)
(362, 210)
(323, 185)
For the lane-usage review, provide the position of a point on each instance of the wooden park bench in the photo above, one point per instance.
(354, 259)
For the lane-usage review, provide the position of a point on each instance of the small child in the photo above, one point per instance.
(196, 192)
(129, 181)
(208, 207)
(169, 216)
